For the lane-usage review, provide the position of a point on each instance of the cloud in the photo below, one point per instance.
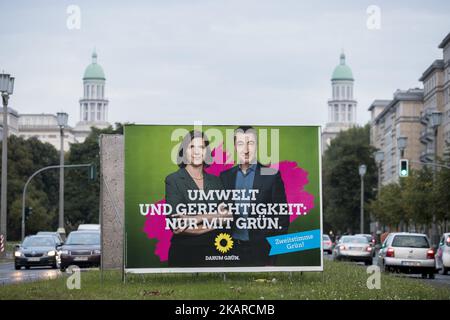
(217, 61)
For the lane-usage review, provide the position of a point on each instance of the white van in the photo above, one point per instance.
(89, 227)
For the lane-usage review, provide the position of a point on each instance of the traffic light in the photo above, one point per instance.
(28, 212)
(404, 168)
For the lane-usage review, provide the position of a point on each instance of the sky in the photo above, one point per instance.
(218, 62)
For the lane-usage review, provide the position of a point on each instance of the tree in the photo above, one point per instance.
(442, 194)
(24, 158)
(417, 193)
(341, 180)
(410, 204)
(82, 194)
(388, 207)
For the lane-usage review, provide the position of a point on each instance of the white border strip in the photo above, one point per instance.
(236, 269)
(222, 269)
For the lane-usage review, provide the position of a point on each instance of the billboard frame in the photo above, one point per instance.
(167, 270)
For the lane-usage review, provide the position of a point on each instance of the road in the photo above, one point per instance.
(9, 275)
(440, 280)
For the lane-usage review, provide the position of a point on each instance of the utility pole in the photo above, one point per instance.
(6, 90)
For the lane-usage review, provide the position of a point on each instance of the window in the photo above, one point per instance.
(410, 241)
(85, 112)
(349, 114)
(348, 92)
(99, 111)
(336, 113)
(92, 106)
(342, 115)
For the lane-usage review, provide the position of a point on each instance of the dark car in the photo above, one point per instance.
(36, 251)
(82, 248)
(58, 238)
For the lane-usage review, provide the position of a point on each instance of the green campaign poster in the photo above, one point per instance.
(222, 198)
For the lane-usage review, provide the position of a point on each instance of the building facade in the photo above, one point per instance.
(411, 114)
(13, 122)
(45, 128)
(93, 104)
(342, 105)
(93, 112)
(433, 101)
(445, 46)
(399, 117)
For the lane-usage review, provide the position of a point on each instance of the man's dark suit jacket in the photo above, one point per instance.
(271, 190)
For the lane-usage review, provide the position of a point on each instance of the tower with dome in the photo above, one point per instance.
(93, 105)
(342, 105)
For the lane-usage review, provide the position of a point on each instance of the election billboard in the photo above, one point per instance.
(222, 198)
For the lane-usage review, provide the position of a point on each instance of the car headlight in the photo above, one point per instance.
(17, 254)
(51, 253)
(97, 252)
(64, 251)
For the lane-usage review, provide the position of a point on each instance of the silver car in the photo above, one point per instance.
(353, 248)
(443, 254)
(327, 244)
(408, 253)
(370, 239)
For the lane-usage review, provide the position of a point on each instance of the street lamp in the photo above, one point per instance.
(362, 172)
(401, 144)
(435, 122)
(6, 90)
(379, 158)
(62, 119)
(435, 119)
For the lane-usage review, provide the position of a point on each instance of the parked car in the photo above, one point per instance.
(59, 240)
(353, 248)
(327, 244)
(408, 253)
(89, 227)
(443, 254)
(37, 250)
(371, 241)
(82, 248)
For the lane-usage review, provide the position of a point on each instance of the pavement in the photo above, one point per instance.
(8, 275)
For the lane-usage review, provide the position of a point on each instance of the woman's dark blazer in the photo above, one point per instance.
(189, 250)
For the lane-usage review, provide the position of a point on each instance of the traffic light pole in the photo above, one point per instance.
(431, 164)
(33, 175)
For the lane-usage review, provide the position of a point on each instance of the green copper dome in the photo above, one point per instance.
(94, 70)
(342, 71)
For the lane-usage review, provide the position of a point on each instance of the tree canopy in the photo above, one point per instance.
(342, 182)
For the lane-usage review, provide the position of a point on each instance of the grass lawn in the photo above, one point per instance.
(339, 281)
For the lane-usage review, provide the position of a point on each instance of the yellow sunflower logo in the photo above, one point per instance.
(223, 242)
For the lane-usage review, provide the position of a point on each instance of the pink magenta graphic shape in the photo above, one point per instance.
(294, 179)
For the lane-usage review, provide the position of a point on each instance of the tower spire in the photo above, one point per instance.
(342, 57)
(94, 56)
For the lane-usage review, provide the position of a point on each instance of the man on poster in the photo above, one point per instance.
(251, 245)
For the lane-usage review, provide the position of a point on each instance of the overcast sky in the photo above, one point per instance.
(229, 61)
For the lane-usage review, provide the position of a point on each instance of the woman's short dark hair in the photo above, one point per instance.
(181, 158)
